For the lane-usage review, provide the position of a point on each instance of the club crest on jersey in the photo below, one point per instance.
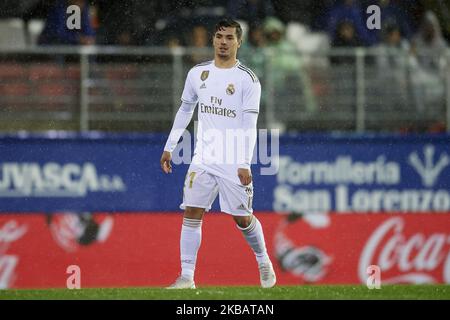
(204, 75)
(230, 89)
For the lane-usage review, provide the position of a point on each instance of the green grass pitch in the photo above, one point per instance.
(303, 292)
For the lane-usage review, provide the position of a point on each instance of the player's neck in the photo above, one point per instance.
(224, 63)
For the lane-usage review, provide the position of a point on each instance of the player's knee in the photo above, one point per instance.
(243, 222)
(194, 213)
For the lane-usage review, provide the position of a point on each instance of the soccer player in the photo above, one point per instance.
(227, 94)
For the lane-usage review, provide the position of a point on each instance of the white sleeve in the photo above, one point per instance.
(251, 96)
(249, 121)
(189, 94)
(182, 119)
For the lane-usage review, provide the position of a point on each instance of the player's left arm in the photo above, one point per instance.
(249, 121)
(251, 100)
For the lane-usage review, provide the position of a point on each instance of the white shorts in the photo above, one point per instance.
(201, 189)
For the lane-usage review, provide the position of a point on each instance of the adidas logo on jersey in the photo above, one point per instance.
(203, 86)
(241, 207)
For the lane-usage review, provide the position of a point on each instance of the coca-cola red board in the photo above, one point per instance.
(142, 249)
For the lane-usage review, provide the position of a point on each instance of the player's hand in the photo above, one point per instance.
(165, 162)
(245, 176)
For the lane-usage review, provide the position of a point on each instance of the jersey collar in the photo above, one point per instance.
(234, 66)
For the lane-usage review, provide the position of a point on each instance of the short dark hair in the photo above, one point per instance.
(229, 23)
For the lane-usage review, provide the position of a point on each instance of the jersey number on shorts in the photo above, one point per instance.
(191, 179)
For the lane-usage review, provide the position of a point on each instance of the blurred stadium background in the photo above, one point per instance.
(364, 117)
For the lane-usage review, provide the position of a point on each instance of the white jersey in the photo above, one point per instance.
(223, 95)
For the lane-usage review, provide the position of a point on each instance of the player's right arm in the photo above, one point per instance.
(182, 119)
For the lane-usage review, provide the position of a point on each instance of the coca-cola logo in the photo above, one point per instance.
(11, 231)
(406, 259)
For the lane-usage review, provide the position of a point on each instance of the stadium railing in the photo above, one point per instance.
(138, 88)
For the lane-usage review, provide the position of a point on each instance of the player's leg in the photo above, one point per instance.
(199, 192)
(253, 233)
(252, 230)
(190, 240)
(237, 200)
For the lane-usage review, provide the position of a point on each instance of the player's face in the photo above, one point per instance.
(226, 43)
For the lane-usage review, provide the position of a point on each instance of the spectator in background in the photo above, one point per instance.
(114, 30)
(304, 11)
(285, 57)
(287, 72)
(251, 50)
(343, 68)
(173, 42)
(252, 11)
(256, 36)
(392, 62)
(145, 18)
(177, 18)
(428, 66)
(392, 50)
(56, 32)
(349, 10)
(345, 37)
(391, 14)
(442, 12)
(130, 22)
(429, 44)
(199, 40)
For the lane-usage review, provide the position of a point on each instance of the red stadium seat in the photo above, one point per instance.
(46, 71)
(8, 71)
